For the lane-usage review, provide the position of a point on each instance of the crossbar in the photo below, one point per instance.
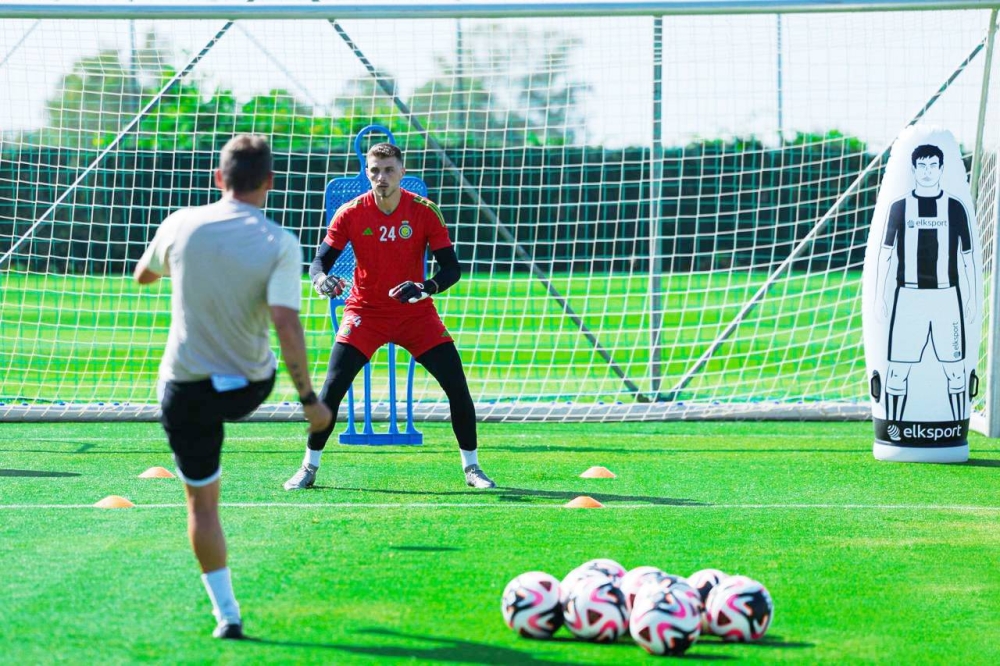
(406, 9)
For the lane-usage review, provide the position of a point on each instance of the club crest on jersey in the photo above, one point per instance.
(346, 327)
(367, 232)
(405, 230)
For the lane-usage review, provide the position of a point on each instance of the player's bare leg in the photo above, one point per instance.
(345, 364)
(209, 544)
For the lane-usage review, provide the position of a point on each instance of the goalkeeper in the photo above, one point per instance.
(389, 229)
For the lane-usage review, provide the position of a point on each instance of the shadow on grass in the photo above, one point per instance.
(508, 494)
(461, 651)
(36, 473)
(442, 650)
(982, 462)
(574, 448)
(769, 641)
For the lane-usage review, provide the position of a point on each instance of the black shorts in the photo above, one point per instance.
(193, 414)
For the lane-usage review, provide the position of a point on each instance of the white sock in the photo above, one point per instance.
(312, 457)
(469, 457)
(219, 585)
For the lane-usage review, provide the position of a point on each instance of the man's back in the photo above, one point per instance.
(228, 261)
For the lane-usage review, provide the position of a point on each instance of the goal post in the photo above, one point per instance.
(661, 207)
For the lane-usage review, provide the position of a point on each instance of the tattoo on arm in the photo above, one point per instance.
(300, 377)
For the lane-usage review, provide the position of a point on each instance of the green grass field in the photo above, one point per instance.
(391, 559)
(89, 339)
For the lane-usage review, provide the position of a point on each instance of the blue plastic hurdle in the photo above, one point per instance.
(338, 192)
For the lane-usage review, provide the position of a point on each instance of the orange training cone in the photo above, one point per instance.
(157, 473)
(598, 473)
(114, 502)
(583, 502)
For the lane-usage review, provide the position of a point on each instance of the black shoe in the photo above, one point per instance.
(226, 630)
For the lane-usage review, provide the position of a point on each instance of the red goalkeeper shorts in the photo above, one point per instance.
(367, 331)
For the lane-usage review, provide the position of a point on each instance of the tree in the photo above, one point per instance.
(367, 100)
(90, 104)
(509, 86)
(291, 124)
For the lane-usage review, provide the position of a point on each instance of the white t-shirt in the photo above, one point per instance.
(229, 263)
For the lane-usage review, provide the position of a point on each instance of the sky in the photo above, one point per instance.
(864, 74)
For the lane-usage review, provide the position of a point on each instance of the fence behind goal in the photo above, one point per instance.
(661, 208)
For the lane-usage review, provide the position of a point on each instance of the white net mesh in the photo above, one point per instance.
(625, 194)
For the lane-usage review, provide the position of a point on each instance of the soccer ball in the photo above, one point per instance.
(595, 610)
(739, 609)
(633, 580)
(677, 584)
(599, 567)
(703, 581)
(665, 620)
(530, 605)
(651, 581)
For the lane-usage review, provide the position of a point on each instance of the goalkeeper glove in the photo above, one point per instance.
(329, 285)
(411, 292)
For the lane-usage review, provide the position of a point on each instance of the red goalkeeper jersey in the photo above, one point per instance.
(388, 249)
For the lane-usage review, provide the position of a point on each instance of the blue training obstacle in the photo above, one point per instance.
(338, 192)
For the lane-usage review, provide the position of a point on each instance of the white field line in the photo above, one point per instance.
(599, 438)
(507, 507)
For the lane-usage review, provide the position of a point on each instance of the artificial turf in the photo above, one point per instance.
(391, 558)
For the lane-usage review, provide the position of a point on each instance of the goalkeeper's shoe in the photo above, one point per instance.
(229, 630)
(476, 477)
(304, 478)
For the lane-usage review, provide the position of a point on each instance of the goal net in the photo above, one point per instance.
(660, 215)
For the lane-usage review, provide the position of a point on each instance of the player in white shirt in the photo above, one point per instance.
(234, 273)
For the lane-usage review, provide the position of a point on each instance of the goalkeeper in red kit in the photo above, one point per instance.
(389, 229)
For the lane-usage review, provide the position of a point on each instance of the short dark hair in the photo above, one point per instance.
(386, 150)
(925, 151)
(245, 162)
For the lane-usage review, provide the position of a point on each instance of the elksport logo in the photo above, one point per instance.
(927, 223)
(893, 433)
(918, 431)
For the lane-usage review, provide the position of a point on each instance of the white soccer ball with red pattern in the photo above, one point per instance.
(678, 584)
(633, 580)
(531, 606)
(595, 610)
(666, 619)
(703, 581)
(599, 567)
(739, 609)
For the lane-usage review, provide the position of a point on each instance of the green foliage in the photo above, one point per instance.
(833, 140)
(520, 93)
(370, 101)
(96, 98)
(527, 98)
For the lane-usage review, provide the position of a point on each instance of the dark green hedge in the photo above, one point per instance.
(722, 204)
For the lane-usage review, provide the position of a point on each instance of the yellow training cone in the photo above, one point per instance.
(598, 473)
(157, 473)
(583, 502)
(114, 502)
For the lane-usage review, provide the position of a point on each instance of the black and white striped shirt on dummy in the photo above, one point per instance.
(928, 233)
